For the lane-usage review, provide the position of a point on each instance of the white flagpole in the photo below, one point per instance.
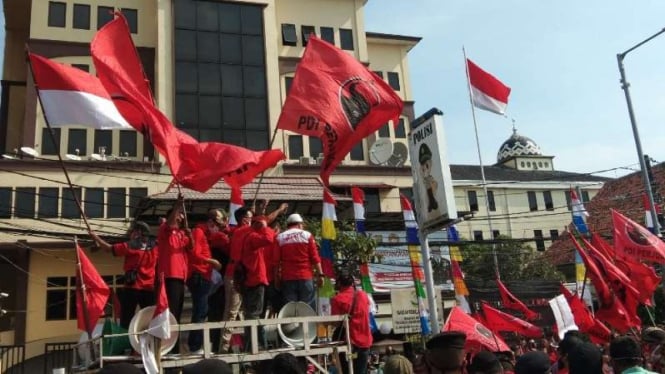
(480, 160)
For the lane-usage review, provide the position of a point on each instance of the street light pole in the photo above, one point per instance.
(638, 144)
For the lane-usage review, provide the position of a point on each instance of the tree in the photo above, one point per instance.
(517, 261)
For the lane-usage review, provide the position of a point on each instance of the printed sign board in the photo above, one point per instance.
(404, 304)
(432, 182)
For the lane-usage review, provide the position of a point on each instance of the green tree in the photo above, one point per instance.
(517, 261)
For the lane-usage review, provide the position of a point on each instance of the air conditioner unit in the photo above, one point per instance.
(304, 160)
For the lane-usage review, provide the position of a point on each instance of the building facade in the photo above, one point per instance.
(221, 71)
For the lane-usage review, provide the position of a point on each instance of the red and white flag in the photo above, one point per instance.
(487, 92)
(71, 96)
(159, 327)
(236, 203)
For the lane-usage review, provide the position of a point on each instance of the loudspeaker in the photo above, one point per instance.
(292, 333)
(141, 322)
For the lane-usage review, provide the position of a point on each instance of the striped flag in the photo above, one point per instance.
(236, 203)
(328, 233)
(579, 220)
(461, 292)
(365, 280)
(648, 221)
(413, 244)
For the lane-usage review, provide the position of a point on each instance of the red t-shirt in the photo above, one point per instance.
(359, 329)
(297, 253)
(143, 260)
(235, 248)
(173, 244)
(218, 240)
(253, 255)
(196, 258)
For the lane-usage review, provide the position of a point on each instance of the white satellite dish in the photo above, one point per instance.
(30, 151)
(380, 151)
(8, 157)
(73, 157)
(96, 156)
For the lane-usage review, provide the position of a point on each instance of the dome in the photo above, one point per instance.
(517, 145)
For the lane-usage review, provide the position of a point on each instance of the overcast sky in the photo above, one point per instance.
(559, 58)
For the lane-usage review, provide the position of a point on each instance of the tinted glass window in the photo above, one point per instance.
(104, 15)
(207, 46)
(357, 153)
(306, 32)
(384, 131)
(135, 195)
(5, 202)
(94, 202)
(233, 110)
(490, 201)
(103, 138)
(56, 305)
(533, 203)
(540, 242)
(229, 18)
(295, 147)
(128, 143)
(473, 200)
(400, 130)
(478, 235)
(68, 206)
(393, 80)
(116, 203)
(315, 147)
(24, 203)
(48, 148)
(81, 16)
(547, 196)
(251, 20)
(328, 34)
(289, 35)
(77, 144)
(207, 16)
(57, 14)
(185, 45)
(372, 200)
(132, 19)
(84, 67)
(252, 50)
(288, 81)
(346, 39)
(48, 202)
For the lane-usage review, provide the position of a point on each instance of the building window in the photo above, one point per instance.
(94, 202)
(540, 242)
(554, 234)
(135, 196)
(569, 200)
(57, 292)
(104, 15)
(477, 235)
(48, 202)
(346, 39)
(128, 146)
(490, 201)
(103, 141)
(400, 130)
(533, 202)
(77, 144)
(393, 80)
(288, 82)
(221, 96)
(81, 16)
(496, 234)
(473, 200)
(384, 131)
(132, 19)
(48, 148)
(372, 200)
(547, 196)
(315, 147)
(379, 73)
(117, 203)
(306, 32)
(295, 147)
(408, 192)
(57, 12)
(68, 207)
(357, 153)
(5, 202)
(585, 197)
(289, 35)
(24, 205)
(328, 34)
(84, 67)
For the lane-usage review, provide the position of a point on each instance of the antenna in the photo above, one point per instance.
(380, 151)
(399, 156)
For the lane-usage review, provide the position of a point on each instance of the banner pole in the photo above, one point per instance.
(84, 299)
(258, 186)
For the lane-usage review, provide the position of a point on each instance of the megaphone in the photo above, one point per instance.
(292, 333)
(141, 321)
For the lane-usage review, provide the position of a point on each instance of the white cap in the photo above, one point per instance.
(294, 218)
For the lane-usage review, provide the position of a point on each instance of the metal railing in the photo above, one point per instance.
(58, 355)
(12, 358)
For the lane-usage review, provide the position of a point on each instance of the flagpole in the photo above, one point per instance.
(482, 168)
(84, 298)
(57, 146)
(258, 186)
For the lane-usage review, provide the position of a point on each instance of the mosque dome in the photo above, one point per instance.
(517, 145)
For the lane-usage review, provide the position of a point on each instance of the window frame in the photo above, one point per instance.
(539, 240)
(327, 34)
(85, 23)
(491, 202)
(344, 42)
(289, 35)
(61, 21)
(104, 13)
(478, 235)
(549, 202)
(532, 200)
(297, 142)
(393, 80)
(132, 17)
(52, 200)
(305, 32)
(472, 198)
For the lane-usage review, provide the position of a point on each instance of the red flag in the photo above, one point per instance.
(195, 165)
(92, 293)
(602, 289)
(487, 92)
(635, 241)
(511, 302)
(618, 280)
(500, 321)
(338, 99)
(477, 335)
(583, 318)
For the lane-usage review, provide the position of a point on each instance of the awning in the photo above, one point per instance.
(380, 186)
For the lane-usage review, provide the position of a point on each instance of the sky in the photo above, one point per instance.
(559, 58)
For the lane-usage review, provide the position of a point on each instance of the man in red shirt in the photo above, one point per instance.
(355, 303)
(140, 255)
(297, 255)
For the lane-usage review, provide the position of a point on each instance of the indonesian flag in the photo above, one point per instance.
(413, 246)
(648, 221)
(159, 327)
(500, 321)
(92, 293)
(328, 233)
(71, 96)
(563, 315)
(635, 241)
(511, 302)
(487, 92)
(478, 336)
(358, 208)
(236, 203)
(338, 99)
(598, 332)
(579, 213)
(461, 291)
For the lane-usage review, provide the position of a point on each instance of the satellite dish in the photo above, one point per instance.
(399, 156)
(380, 151)
(9, 157)
(30, 151)
(73, 157)
(96, 156)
